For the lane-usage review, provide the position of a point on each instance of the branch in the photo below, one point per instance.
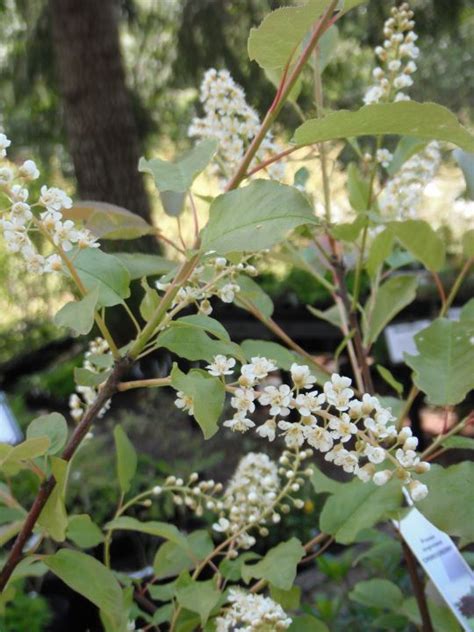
(46, 488)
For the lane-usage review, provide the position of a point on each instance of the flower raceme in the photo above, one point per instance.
(357, 435)
(253, 613)
(22, 218)
(229, 119)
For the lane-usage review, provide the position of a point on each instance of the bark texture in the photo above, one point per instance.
(100, 125)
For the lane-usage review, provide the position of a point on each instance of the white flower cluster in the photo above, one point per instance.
(255, 493)
(216, 277)
(96, 358)
(194, 494)
(255, 497)
(252, 613)
(230, 120)
(396, 58)
(403, 194)
(356, 434)
(20, 220)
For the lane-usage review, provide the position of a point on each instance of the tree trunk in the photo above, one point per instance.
(100, 125)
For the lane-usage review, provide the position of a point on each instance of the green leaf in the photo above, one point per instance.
(200, 597)
(450, 503)
(406, 118)
(393, 296)
(467, 311)
(349, 231)
(108, 221)
(359, 189)
(84, 377)
(92, 580)
(468, 243)
(278, 37)
(140, 265)
(407, 147)
(307, 623)
(251, 296)
(466, 161)
(278, 566)
(53, 518)
(152, 527)
(327, 47)
(98, 269)
(177, 177)
(356, 506)
(330, 315)
(54, 427)
(171, 558)
(441, 617)
(83, 532)
(190, 341)
(79, 315)
(271, 350)
(444, 368)
(388, 377)
(212, 326)
(377, 593)
(207, 393)
(126, 459)
(232, 569)
(380, 249)
(255, 217)
(422, 241)
(150, 301)
(288, 599)
(323, 484)
(13, 458)
(459, 443)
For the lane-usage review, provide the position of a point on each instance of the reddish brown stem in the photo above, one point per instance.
(46, 488)
(418, 589)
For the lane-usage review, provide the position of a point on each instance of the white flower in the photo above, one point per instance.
(29, 170)
(53, 264)
(49, 219)
(243, 400)
(366, 472)
(375, 454)
(20, 213)
(6, 176)
(407, 458)
(227, 292)
(252, 613)
(221, 366)
(309, 403)
(338, 392)
(54, 199)
(294, 433)
(342, 428)
(417, 490)
(184, 402)
(301, 376)
(384, 157)
(221, 526)
(267, 430)
(381, 478)
(261, 367)
(65, 234)
(239, 423)
(319, 438)
(4, 143)
(34, 261)
(277, 398)
(19, 193)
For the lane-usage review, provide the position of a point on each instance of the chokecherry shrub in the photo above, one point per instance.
(224, 576)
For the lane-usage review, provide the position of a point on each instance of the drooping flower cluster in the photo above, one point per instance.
(358, 435)
(257, 494)
(215, 277)
(403, 194)
(22, 218)
(96, 359)
(229, 119)
(393, 75)
(252, 613)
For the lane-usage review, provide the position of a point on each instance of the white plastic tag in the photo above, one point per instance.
(443, 563)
